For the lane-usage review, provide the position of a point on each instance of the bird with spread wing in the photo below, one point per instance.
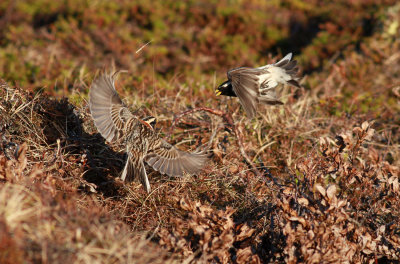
(258, 85)
(115, 122)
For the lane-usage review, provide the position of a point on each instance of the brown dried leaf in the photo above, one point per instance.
(347, 138)
(303, 201)
(365, 125)
(369, 134)
(88, 186)
(341, 203)
(373, 155)
(245, 232)
(185, 205)
(301, 220)
(331, 191)
(320, 189)
(288, 191)
(246, 256)
(396, 91)
(394, 181)
(22, 160)
(310, 235)
(358, 131)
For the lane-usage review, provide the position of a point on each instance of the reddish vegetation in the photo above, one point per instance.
(315, 180)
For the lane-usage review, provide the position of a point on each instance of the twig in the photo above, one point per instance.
(227, 117)
(142, 47)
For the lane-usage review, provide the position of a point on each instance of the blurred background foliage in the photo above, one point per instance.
(51, 44)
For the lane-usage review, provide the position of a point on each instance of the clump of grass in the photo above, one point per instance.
(44, 214)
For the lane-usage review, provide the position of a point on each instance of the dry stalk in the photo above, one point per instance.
(227, 117)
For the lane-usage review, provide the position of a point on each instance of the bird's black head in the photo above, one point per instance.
(151, 120)
(225, 89)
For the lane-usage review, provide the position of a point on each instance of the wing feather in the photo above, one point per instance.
(109, 113)
(169, 160)
(245, 85)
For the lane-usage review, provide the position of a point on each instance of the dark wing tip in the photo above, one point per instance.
(294, 83)
(250, 111)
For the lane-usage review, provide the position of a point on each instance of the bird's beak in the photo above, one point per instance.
(217, 92)
(150, 120)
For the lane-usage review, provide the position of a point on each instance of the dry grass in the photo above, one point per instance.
(314, 181)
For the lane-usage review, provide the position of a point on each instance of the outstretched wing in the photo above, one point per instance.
(108, 111)
(245, 85)
(169, 160)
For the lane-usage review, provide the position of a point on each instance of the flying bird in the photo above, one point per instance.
(257, 85)
(116, 123)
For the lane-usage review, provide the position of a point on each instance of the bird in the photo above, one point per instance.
(116, 123)
(257, 85)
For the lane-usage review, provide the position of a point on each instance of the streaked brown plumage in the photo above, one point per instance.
(115, 122)
(257, 85)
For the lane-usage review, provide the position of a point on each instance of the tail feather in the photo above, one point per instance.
(282, 72)
(284, 61)
(132, 170)
(290, 65)
(290, 68)
(293, 71)
(294, 83)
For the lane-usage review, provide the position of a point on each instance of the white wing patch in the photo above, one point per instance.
(272, 78)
